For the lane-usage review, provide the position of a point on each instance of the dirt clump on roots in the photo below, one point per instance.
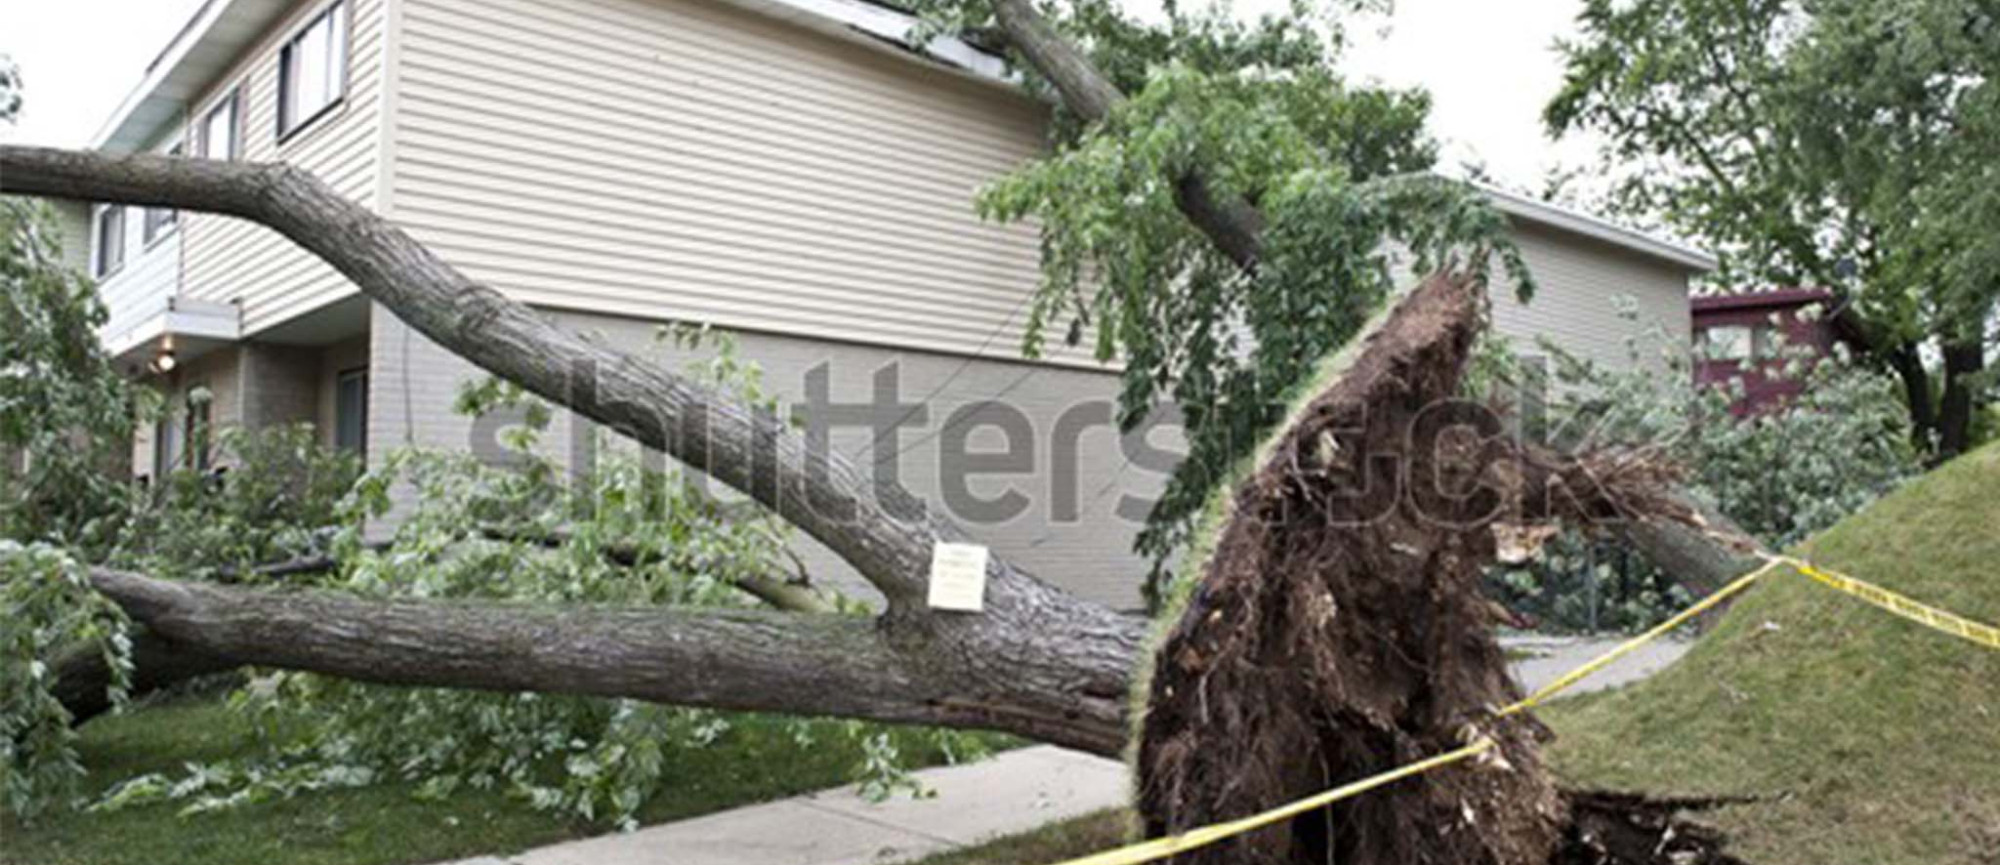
(1338, 629)
(1630, 829)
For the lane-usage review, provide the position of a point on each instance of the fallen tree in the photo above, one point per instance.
(1038, 662)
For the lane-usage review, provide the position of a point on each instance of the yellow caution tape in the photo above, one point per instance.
(1570, 679)
(1161, 848)
(1901, 605)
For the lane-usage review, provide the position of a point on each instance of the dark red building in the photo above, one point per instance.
(1734, 328)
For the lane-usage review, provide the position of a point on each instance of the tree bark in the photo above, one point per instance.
(83, 681)
(1962, 364)
(1706, 555)
(726, 659)
(1703, 555)
(1908, 365)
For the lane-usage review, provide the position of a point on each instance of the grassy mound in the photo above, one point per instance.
(1869, 740)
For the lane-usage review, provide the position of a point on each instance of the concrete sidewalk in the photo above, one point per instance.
(1012, 793)
(1554, 656)
(1009, 794)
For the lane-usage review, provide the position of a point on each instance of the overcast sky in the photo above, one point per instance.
(1488, 65)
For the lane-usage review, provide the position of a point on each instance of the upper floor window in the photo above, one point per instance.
(160, 220)
(110, 240)
(219, 139)
(312, 70)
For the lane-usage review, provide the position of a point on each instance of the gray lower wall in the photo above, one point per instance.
(278, 384)
(331, 362)
(257, 385)
(1084, 501)
(1069, 533)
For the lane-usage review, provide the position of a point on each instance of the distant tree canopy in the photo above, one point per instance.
(1850, 144)
(10, 88)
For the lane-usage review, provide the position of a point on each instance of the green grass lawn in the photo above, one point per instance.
(1872, 740)
(1875, 740)
(1055, 842)
(756, 760)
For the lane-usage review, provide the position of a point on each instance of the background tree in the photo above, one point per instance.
(10, 88)
(1849, 144)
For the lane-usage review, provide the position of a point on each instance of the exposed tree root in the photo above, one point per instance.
(1339, 629)
(1629, 829)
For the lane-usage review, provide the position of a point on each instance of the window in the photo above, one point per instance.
(1728, 342)
(196, 434)
(312, 70)
(350, 411)
(110, 240)
(166, 447)
(218, 129)
(160, 220)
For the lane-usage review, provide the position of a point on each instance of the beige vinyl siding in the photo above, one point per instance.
(1579, 281)
(151, 272)
(689, 160)
(138, 290)
(230, 260)
(73, 232)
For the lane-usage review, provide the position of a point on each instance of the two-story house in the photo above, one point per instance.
(791, 170)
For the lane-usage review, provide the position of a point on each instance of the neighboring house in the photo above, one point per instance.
(786, 169)
(1750, 337)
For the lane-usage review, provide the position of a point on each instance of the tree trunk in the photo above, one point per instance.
(83, 681)
(724, 659)
(1908, 364)
(1962, 365)
(1703, 553)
